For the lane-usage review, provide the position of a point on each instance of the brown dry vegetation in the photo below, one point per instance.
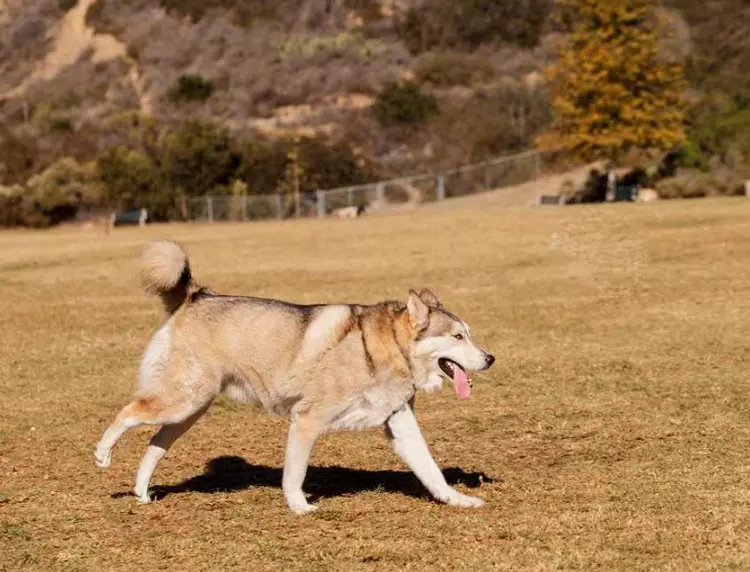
(612, 433)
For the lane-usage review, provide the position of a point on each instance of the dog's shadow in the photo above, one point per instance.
(231, 473)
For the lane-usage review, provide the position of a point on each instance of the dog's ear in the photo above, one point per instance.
(419, 312)
(430, 298)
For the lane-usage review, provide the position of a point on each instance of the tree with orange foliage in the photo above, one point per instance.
(612, 90)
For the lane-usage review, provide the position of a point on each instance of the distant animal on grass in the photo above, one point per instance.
(350, 212)
(325, 366)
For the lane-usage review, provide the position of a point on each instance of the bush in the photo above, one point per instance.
(11, 205)
(697, 184)
(61, 124)
(325, 165)
(451, 68)
(17, 156)
(190, 88)
(245, 11)
(262, 164)
(492, 122)
(129, 177)
(149, 165)
(57, 194)
(67, 5)
(368, 10)
(718, 126)
(404, 104)
(471, 23)
(197, 156)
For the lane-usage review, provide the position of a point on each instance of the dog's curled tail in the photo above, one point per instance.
(165, 271)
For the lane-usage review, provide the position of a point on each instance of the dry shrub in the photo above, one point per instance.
(453, 68)
(696, 184)
(404, 104)
(488, 123)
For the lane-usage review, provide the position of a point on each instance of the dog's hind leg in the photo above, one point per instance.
(128, 417)
(148, 409)
(158, 447)
(303, 432)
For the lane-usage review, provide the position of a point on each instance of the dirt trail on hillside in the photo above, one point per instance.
(72, 37)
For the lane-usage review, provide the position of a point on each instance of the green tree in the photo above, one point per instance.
(262, 164)
(611, 89)
(56, 194)
(198, 156)
(129, 178)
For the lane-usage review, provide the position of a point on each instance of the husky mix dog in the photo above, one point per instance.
(328, 367)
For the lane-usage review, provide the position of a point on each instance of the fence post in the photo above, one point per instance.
(440, 188)
(279, 206)
(210, 208)
(380, 192)
(320, 200)
(349, 196)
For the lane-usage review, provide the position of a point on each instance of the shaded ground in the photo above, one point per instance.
(612, 433)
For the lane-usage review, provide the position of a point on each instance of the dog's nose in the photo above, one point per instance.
(490, 359)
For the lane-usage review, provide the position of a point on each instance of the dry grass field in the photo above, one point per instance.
(613, 432)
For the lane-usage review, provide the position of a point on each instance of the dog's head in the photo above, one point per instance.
(442, 343)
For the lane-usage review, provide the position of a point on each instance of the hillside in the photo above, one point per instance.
(399, 85)
(283, 68)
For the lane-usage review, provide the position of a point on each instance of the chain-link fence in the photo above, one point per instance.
(478, 177)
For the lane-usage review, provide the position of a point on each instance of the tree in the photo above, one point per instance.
(129, 177)
(611, 89)
(56, 194)
(198, 156)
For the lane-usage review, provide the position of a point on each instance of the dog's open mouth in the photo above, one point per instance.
(461, 381)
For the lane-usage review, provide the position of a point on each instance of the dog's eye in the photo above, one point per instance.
(459, 336)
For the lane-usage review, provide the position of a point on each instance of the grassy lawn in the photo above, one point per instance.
(612, 433)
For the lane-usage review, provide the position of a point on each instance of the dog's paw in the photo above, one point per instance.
(103, 459)
(143, 497)
(464, 501)
(306, 508)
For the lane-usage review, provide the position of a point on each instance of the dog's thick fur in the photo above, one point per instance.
(327, 367)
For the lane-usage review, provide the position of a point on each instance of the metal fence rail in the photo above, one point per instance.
(428, 187)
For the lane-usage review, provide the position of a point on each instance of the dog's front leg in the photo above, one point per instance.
(409, 444)
(303, 433)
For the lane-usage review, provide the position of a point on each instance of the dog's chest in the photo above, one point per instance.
(372, 407)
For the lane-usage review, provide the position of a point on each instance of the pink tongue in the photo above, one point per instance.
(461, 383)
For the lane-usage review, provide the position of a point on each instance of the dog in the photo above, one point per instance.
(350, 212)
(326, 366)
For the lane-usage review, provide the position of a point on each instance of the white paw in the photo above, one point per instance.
(464, 501)
(103, 459)
(303, 508)
(143, 497)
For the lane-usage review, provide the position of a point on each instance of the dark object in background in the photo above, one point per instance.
(594, 189)
(135, 216)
